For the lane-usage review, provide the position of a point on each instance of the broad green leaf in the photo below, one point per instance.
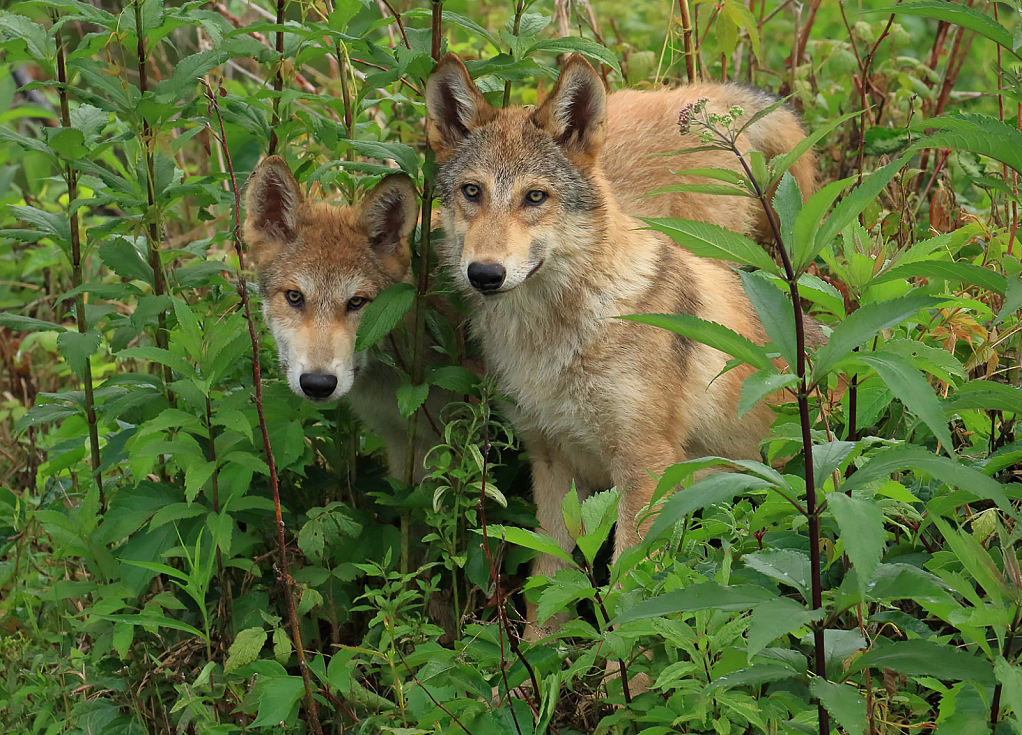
(761, 384)
(713, 241)
(709, 333)
(530, 540)
(122, 258)
(805, 246)
(827, 457)
(151, 620)
(862, 532)
(717, 489)
(578, 45)
(571, 509)
(1012, 298)
(599, 513)
(1009, 676)
(775, 313)
(37, 41)
(981, 134)
(787, 204)
(912, 389)
(949, 471)
(925, 658)
(703, 596)
(77, 348)
(976, 559)
(20, 323)
(957, 272)
(786, 566)
(383, 314)
(160, 355)
(780, 164)
(961, 15)
(277, 697)
(567, 586)
(864, 323)
(754, 675)
(450, 18)
(986, 395)
(411, 397)
(245, 649)
(842, 701)
(934, 360)
(775, 618)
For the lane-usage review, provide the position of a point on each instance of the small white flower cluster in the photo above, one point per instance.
(710, 123)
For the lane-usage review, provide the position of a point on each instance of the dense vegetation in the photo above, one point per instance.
(161, 570)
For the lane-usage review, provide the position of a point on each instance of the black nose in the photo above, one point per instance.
(486, 277)
(318, 385)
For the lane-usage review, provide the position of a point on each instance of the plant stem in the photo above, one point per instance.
(995, 705)
(518, 21)
(287, 583)
(153, 227)
(278, 79)
(686, 33)
(811, 511)
(77, 272)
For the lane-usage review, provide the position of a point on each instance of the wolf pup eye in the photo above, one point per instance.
(357, 302)
(294, 298)
(535, 198)
(471, 192)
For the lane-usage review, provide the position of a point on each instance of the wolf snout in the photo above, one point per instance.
(486, 277)
(318, 385)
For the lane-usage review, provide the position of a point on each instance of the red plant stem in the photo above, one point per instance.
(77, 273)
(400, 25)
(686, 32)
(803, 38)
(278, 80)
(282, 571)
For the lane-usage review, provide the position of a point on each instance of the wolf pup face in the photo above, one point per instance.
(514, 180)
(319, 266)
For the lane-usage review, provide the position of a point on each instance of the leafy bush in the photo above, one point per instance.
(186, 546)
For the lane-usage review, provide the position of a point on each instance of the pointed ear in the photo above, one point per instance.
(388, 215)
(272, 199)
(454, 106)
(575, 113)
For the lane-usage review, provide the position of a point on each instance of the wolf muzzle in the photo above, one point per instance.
(486, 277)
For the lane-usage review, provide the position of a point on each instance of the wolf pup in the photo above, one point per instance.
(319, 266)
(539, 237)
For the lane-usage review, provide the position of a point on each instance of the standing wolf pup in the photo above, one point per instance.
(319, 266)
(538, 236)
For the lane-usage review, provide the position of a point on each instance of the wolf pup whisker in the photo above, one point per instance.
(540, 236)
(319, 266)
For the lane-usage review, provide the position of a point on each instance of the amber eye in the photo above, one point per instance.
(294, 298)
(357, 302)
(471, 192)
(535, 197)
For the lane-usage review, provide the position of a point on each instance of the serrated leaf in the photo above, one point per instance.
(703, 596)
(20, 323)
(980, 134)
(567, 586)
(926, 658)
(281, 646)
(954, 272)
(598, 514)
(862, 532)
(383, 314)
(961, 15)
(827, 457)
(713, 241)
(842, 701)
(775, 618)
(571, 509)
(761, 384)
(717, 489)
(530, 540)
(865, 323)
(786, 566)
(709, 333)
(124, 634)
(77, 348)
(411, 397)
(277, 697)
(122, 258)
(245, 649)
(574, 44)
(775, 313)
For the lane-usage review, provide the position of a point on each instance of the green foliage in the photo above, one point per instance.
(142, 587)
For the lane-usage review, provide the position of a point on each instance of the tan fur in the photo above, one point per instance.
(598, 401)
(331, 255)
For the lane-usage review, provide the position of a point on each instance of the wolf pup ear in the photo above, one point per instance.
(388, 216)
(575, 113)
(271, 207)
(454, 106)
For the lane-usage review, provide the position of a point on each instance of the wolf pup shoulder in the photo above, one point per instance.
(319, 266)
(539, 238)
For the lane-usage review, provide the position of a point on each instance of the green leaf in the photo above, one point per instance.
(713, 241)
(151, 620)
(530, 540)
(787, 203)
(976, 560)
(703, 596)
(405, 156)
(761, 384)
(912, 389)
(277, 697)
(383, 314)
(775, 313)
(77, 348)
(717, 489)
(571, 509)
(986, 395)
(577, 45)
(955, 272)
(827, 457)
(949, 471)
(864, 323)
(567, 586)
(775, 618)
(713, 334)
(786, 566)
(162, 356)
(842, 701)
(805, 245)
(981, 134)
(599, 513)
(754, 675)
(450, 18)
(245, 649)
(924, 658)
(411, 397)
(20, 323)
(37, 41)
(122, 258)
(862, 531)
(780, 164)
(1009, 676)
(961, 15)
(197, 474)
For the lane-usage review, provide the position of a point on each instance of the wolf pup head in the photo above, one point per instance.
(319, 266)
(515, 181)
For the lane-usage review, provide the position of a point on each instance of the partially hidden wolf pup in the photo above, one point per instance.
(319, 266)
(538, 235)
